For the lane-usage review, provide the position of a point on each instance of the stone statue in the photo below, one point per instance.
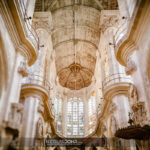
(39, 131)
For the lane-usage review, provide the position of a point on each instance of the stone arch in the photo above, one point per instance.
(3, 66)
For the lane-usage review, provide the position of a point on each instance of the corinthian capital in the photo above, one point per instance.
(42, 20)
(109, 19)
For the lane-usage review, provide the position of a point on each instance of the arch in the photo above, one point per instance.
(3, 66)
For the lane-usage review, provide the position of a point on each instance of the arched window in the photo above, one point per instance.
(75, 117)
(58, 113)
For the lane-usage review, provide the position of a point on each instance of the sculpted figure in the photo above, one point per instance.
(39, 132)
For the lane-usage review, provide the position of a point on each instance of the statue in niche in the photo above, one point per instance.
(39, 131)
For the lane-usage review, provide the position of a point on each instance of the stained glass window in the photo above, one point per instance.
(75, 117)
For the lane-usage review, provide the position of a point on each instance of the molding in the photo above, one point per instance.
(28, 89)
(15, 25)
(116, 89)
(136, 29)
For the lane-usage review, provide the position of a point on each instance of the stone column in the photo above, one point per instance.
(115, 67)
(116, 86)
(19, 71)
(32, 98)
(123, 7)
(35, 88)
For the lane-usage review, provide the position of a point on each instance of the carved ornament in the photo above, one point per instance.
(22, 69)
(109, 21)
(131, 67)
(139, 114)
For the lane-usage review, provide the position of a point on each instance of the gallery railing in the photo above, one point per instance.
(115, 79)
(37, 80)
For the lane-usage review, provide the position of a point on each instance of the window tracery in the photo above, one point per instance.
(75, 117)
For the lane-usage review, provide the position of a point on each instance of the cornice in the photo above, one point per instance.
(137, 27)
(36, 90)
(116, 89)
(16, 28)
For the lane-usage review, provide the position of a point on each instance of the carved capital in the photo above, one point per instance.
(131, 67)
(109, 21)
(42, 20)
